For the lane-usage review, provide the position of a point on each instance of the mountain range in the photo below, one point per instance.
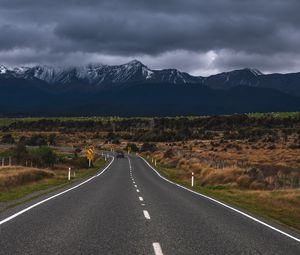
(133, 89)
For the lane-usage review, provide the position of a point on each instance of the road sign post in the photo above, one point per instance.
(69, 175)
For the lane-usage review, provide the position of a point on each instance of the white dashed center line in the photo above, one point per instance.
(156, 246)
(146, 214)
(157, 249)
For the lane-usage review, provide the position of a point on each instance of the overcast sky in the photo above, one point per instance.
(196, 36)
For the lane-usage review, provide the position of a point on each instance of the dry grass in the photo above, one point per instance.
(15, 176)
(228, 163)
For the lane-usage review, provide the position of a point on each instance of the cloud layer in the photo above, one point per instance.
(201, 37)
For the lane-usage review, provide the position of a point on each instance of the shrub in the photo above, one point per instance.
(169, 153)
(148, 147)
(257, 185)
(79, 162)
(20, 153)
(115, 141)
(52, 139)
(132, 147)
(37, 140)
(43, 156)
(244, 181)
(7, 139)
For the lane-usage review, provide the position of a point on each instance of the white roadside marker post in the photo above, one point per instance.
(192, 179)
(155, 162)
(69, 175)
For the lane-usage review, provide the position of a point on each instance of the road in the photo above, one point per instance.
(129, 209)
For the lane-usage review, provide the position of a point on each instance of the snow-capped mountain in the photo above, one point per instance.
(131, 72)
(133, 89)
(99, 76)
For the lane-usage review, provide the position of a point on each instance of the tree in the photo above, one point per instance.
(20, 153)
(132, 147)
(43, 156)
(37, 140)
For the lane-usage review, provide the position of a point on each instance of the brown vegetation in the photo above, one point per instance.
(15, 176)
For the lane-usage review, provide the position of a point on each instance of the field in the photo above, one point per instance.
(18, 181)
(251, 161)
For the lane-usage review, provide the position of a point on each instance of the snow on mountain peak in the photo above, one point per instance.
(3, 69)
(98, 74)
(254, 71)
(135, 62)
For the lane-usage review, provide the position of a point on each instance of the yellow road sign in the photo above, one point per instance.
(90, 153)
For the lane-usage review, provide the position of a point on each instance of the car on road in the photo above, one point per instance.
(120, 154)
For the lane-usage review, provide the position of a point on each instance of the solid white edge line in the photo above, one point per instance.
(146, 214)
(54, 196)
(225, 205)
(157, 249)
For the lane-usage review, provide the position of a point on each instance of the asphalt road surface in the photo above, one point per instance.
(129, 209)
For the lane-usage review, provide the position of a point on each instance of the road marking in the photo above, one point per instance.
(135, 186)
(157, 249)
(134, 182)
(225, 205)
(141, 199)
(137, 190)
(54, 196)
(143, 204)
(146, 214)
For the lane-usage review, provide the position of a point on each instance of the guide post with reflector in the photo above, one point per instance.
(192, 179)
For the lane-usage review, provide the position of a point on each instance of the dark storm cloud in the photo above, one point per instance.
(193, 35)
